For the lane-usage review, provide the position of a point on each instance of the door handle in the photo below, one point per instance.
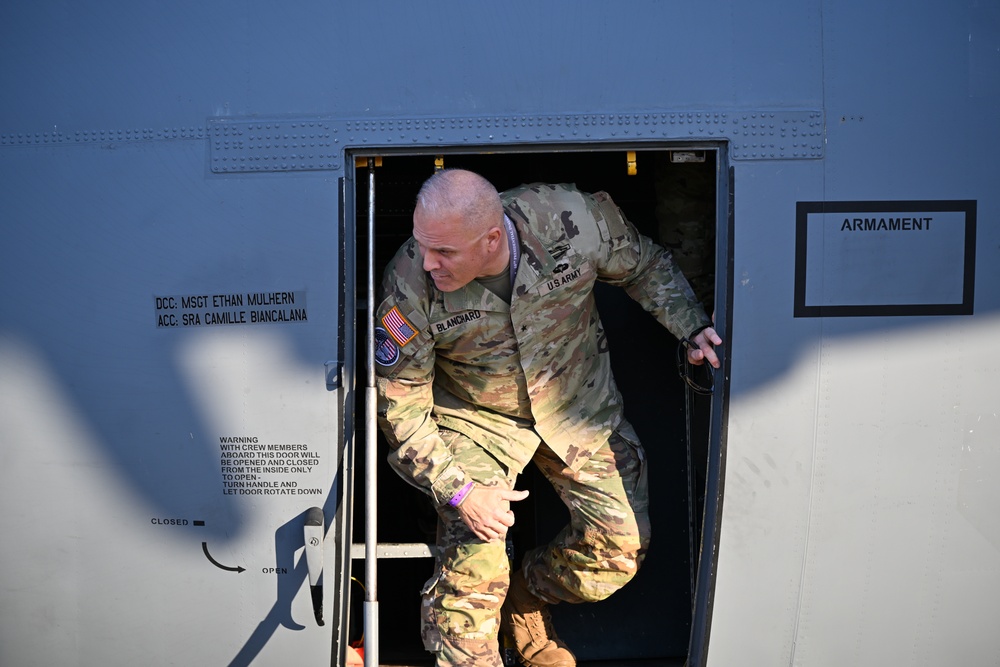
(313, 533)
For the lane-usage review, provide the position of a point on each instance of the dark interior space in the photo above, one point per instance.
(671, 199)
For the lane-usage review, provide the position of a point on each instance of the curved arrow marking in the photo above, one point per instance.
(204, 547)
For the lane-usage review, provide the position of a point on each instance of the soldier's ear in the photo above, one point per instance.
(494, 237)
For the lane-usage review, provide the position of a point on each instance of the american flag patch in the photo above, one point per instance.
(398, 326)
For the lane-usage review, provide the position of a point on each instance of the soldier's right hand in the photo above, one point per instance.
(486, 511)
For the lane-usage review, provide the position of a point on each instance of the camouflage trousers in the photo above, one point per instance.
(591, 558)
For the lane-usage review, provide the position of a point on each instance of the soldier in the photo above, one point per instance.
(490, 355)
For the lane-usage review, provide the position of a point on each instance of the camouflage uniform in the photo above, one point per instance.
(472, 389)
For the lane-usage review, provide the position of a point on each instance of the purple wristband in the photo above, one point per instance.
(457, 499)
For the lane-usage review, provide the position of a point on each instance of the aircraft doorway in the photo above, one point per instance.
(672, 198)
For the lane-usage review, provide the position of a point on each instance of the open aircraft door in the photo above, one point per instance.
(679, 195)
(171, 397)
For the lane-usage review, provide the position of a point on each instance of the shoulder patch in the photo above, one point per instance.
(386, 352)
(615, 229)
(398, 326)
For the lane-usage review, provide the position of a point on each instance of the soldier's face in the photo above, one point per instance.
(453, 255)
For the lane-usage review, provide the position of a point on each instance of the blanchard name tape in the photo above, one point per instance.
(231, 308)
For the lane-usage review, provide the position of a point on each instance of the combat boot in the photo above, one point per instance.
(526, 620)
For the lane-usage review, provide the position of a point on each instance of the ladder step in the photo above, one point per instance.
(396, 550)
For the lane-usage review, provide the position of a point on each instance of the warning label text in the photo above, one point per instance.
(254, 468)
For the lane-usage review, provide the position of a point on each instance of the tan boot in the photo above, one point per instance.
(526, 620)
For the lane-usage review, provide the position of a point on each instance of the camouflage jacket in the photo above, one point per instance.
(538, 368)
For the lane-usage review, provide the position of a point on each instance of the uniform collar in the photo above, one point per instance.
(537, 263)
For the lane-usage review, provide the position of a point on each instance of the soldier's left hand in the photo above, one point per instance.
(486, 511)
(704, 348)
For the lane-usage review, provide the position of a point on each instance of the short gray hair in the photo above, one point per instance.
(463, 192)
